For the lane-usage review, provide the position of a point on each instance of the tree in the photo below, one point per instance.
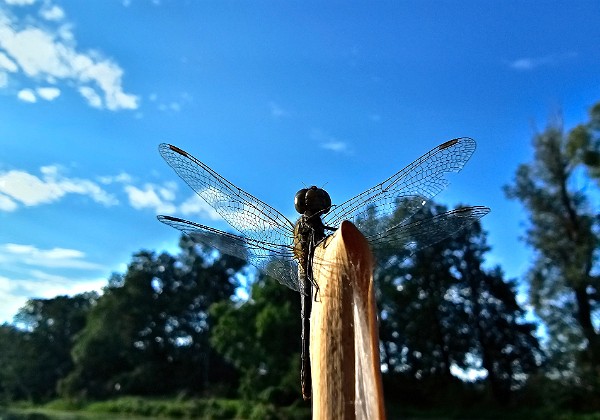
(16, 375)
(563, 231)
(583, 144)
(441, 310)
(36, 354)
(148, 334)
(261, 338)
(499, 337)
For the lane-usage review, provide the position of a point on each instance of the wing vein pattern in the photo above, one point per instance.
(410, 187)
(250, 216)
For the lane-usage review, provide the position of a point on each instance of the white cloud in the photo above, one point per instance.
(29, 255)
(173, 106)
(6, 204)
(163, 199)
(196, 205)
(48, 93)
(122, 178)
(20, 2)
(329, 142)
(56, 285)
(27, 95)
(36, 51)
(167, 191)
(49, 54)
(52, 12)
(151, 196)
(31, 190)
(335, 146)
(531, 63)
(21, 188)
(277, 111)
(14, 292)
(92, 98)
(526, 63)
(9, 303)
(7, 64)
(176, 105)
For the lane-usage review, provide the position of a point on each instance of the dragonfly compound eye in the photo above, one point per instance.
(300, 201)
(317, 201)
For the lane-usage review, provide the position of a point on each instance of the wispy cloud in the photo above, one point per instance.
(48, 93)
(39, 49)
(52, 12)
(329, 142)
(195, 205)
(277, 111)
(163, 199)
(15, 291)
(123, 178)
(375, 117)
(20, 2)
(157, 197)
(531, 63)
(19, 187)
(170, 105)
(33, 272)
(7, 64)
(335, 146)
(31, 96)
(27, 95)
(127, 3)
(29, 255)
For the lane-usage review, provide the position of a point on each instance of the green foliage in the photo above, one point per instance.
(583, 143)
(61, 404)
(261, 339)
(440, 309)
(195, 408)
(37, 354)
(148, 334)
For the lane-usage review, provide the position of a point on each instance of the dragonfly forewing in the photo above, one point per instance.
(416, 184)
(253, 218)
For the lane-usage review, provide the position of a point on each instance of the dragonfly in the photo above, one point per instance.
(284, 250)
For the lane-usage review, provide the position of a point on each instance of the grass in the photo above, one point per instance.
(132, 408)
(160, 408)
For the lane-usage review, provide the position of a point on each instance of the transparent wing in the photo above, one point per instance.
(423, 233)
(275, 260)
(411, 187)
(254, 219)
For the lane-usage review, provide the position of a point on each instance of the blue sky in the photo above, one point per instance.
(274, 96)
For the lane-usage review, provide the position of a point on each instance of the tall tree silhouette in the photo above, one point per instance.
(148, 334)
(35, 355)
(563, 231)
(441, 311)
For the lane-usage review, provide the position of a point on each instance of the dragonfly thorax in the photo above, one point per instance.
(311, 201)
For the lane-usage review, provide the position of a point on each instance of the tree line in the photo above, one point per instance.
(452, 331)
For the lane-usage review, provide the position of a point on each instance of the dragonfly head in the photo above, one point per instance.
(311, 201)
